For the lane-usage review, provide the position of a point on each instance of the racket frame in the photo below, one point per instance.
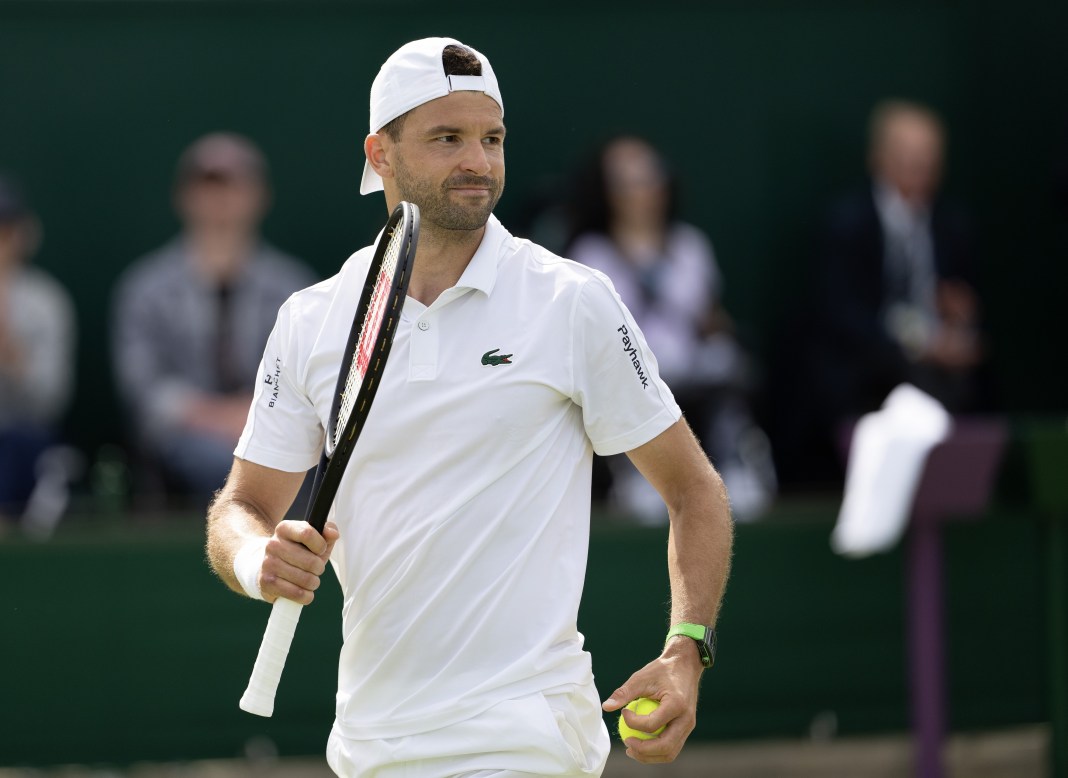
(337, 449)
(332, 464)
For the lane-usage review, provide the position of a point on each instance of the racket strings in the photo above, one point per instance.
(372, 324)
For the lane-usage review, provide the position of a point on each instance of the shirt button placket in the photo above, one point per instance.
(424, 355)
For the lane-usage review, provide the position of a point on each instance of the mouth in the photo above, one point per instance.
(476, 187)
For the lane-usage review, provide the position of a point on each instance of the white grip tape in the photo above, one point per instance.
(259, 696)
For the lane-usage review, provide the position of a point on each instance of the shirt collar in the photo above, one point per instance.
(481, 271)
(895, 211)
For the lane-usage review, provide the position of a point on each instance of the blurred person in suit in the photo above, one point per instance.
(37, 343)
(190, 319)
(625, 223)
(895, 297)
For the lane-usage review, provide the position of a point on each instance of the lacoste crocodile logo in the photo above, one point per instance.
(494, 359)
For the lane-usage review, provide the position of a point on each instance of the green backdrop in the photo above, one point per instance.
(760, 105)
(127, 649)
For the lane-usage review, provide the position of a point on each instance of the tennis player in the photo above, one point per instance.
(460, 531)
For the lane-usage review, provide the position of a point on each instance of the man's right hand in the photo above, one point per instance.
(954, 348)
(295, 558)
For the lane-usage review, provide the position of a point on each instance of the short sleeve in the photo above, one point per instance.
(615, 378)
(283, 430)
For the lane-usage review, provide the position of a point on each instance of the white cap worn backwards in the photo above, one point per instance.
(414, 75)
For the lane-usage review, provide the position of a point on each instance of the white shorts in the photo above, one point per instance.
(541, 734)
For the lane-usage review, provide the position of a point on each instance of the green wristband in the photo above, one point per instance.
(705, 637)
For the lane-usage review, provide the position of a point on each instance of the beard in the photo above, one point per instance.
(436, 206)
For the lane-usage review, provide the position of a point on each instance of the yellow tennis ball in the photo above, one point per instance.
(642, 706)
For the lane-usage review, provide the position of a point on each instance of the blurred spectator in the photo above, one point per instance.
(895, 298)
(625, 224)
(190, 320)
(37, 341)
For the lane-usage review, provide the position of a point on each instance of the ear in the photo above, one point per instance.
(265, 195)
(375, 148)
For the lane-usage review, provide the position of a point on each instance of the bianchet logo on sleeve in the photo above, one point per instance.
(272, 381)
(631, 351)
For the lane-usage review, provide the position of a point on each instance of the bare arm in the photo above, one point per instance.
(252, 505)
(699, 553)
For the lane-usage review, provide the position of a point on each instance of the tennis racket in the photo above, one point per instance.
(370, 340)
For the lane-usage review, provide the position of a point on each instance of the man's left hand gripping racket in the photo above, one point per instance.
(370, 339)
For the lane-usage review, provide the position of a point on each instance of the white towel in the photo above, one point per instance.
(886, 462)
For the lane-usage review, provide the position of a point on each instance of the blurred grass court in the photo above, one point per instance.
(1015, 753)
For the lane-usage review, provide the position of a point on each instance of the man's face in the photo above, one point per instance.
(450, 160)
(910, 158)
(222, 201)
(635, 182)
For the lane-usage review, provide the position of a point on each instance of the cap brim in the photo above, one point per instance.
(371, 181)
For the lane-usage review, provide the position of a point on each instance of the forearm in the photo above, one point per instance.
(699, 551)
(251, 509)
(232, 523)
(699, 556)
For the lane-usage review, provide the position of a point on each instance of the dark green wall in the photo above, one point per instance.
(119, 646)
(760, 105)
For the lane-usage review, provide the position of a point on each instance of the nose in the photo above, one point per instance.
(475, 159)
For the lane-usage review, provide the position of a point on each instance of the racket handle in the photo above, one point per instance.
(259, 696)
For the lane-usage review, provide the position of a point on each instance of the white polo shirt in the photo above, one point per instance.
(464, 511)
